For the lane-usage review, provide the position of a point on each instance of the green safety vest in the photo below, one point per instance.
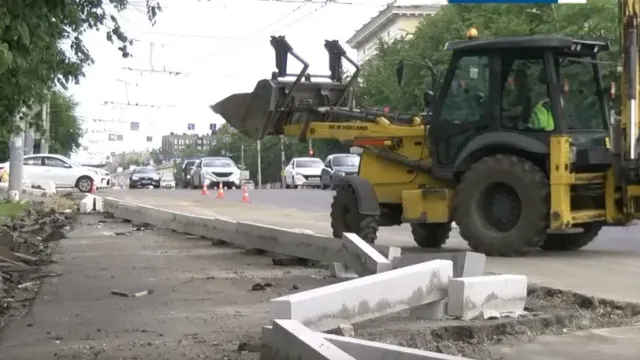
(541, 118)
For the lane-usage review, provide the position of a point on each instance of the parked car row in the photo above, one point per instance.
(62, 171)
(211, 171)
(313, 172)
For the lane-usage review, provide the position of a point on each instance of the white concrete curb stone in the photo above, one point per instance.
(469, 297)
(87, 204)
(465, 263)
(363, 258)
(367, 297)
(293, 340)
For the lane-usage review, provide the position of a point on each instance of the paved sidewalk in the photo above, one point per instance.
(202, 305)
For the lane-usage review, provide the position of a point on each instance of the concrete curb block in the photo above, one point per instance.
(367, 297)
(465, 263)
(363, 259)
(292, 340)
(358, 349)
(4, 187)
(91, 203)
(469, 297)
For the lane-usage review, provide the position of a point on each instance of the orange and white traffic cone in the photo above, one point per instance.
(245, 194)
(220, 192)
(204, 191)
(93, 189)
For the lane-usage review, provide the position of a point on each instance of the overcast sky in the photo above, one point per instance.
(221, 46)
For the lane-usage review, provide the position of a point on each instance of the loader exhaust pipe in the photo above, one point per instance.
(277, 102)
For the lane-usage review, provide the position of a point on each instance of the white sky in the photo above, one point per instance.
(222, 46)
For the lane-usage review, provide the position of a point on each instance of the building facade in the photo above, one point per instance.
(391, 23)
(173, 145)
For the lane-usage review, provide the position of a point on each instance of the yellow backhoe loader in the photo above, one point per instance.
(515, 144)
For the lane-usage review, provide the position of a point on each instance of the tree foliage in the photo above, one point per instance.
(596, 20)
(66, 127)
(41, 46)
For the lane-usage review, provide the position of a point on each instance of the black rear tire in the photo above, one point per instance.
(430, 236)
(346, 218)
(502, 206)
(571, 242)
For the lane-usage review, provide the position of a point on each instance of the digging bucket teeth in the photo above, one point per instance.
(277, 102)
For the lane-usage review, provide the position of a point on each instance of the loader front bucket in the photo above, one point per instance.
(278, 102)
(249, 113)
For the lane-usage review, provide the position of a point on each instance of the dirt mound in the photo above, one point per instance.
(549, 312)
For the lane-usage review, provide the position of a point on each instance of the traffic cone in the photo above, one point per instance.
(93, 189)
(245, 194)
(220, 192)
(205, 191)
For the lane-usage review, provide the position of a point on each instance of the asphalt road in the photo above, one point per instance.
(625, 239)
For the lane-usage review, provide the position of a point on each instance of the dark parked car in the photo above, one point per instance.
(186, 172)
(338, 165)
(144, 176)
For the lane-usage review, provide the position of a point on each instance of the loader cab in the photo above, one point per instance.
(510, 95)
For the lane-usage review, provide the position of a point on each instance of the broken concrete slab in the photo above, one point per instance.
(370, 350)
(465, 263)
(362, 258)
(468, 297)
(292, 340)
(367, 297)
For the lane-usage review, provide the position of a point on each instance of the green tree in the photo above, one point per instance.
(595, 20)
(41, 46)
(66, 127)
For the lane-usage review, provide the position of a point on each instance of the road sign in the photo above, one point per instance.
(226, 138)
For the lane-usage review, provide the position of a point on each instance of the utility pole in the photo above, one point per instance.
(282, 160)
(242, 155)
(259, 166)
(46, 124)
(16, 157)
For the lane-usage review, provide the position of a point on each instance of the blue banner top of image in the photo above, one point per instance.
(517, 1)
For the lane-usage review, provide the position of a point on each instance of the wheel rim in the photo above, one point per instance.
(501, 207)
(84, 184)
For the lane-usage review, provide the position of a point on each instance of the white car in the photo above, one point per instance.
(214, 171)
(63, 172)
(303, 171)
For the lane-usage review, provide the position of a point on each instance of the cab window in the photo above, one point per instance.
(525, 104)
(465, 99)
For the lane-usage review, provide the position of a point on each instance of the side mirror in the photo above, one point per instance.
(400, 72)
(428, 99)
(67, 166)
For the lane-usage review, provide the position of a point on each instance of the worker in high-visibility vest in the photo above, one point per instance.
(541, 117)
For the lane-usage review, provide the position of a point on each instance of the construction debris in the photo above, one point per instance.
(25, 247)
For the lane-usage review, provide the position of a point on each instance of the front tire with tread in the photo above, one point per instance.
(430, 236)
(524, 179)
(346, 218)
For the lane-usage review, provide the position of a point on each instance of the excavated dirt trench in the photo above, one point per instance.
(549, 312)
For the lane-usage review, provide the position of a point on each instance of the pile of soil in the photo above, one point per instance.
(548, 312)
